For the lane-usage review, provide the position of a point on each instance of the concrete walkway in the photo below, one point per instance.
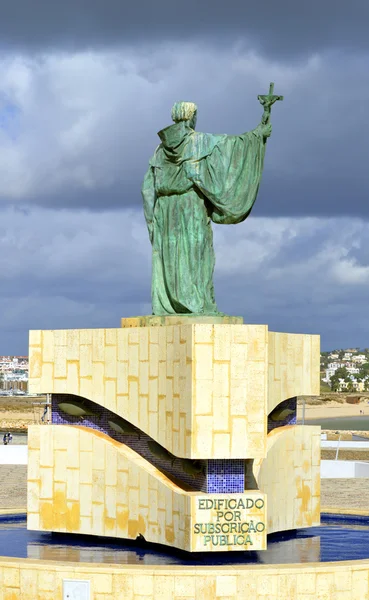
(13, 486)
(345, 493)
(14, 454)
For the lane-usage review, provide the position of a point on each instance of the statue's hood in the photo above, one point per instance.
(172, 136)
(179, 142)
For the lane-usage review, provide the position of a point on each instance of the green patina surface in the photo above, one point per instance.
(194, 179)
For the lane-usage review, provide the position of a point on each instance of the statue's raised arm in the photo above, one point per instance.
(265, 128)
(193, 179)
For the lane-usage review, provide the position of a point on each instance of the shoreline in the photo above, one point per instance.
(19, 420)
(333, 410)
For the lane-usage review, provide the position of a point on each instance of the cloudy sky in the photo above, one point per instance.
(84, 87)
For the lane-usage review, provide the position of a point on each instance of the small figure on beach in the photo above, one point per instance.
(44, 414)
(7, 438)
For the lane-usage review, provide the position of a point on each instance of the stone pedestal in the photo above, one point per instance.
(184, 406)
(163, 321)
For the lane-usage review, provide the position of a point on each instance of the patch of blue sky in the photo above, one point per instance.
(9, 120)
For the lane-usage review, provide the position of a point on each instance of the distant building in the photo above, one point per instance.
(328, 374)
(336, 365)
(14, 371)
(353, 370)
(360, 358)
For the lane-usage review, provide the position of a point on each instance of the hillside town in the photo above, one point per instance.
(13, 375)
(346, 370)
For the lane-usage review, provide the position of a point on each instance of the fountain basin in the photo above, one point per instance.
(333, 563)
(339, 538)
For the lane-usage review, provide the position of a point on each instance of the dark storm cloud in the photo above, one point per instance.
(316, 160)
(86, 124)
(281, 27)
(330, 194)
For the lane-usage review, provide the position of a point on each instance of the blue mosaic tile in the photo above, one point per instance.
(175, 469)
(212, 476)
(225, 476)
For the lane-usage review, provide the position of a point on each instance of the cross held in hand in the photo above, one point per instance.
(267, 101)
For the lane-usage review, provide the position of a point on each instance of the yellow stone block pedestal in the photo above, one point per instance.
(81, 481)
(201, 388)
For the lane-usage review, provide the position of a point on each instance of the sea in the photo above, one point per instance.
(356, 423)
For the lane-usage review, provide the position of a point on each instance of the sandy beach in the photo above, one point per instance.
(333, 409)
(17, 413)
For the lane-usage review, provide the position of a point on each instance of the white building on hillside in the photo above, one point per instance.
(360, 358)
(353, 370)
(332, 368)
(328, 374)
(336, 365)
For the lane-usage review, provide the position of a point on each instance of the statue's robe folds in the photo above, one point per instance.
(193, 179)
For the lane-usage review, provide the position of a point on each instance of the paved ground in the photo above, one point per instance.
(13, 485)
(343, 493)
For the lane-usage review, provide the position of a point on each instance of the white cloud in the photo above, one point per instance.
(348, 272)
(255, 242)
(61, 269)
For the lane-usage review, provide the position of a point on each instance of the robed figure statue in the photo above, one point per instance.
(193, 179)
